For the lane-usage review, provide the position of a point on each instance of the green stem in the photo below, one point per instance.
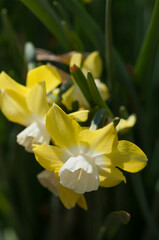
(150, 44)
(108, 41)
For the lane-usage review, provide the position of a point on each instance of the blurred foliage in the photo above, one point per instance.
(27, 210)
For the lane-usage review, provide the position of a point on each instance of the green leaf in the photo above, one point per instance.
(81, 81)
(109, 44)
(96, 95)
(98, 119)
(89, 26)
(12, 40)
(149, 47)
(46, 14)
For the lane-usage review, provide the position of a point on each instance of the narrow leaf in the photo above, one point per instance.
(81, 81)
(96, 95)
(46, 14)
(149, 47)
(109, 44)
(89, 26)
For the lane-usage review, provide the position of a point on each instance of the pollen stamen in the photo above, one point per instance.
(80, 173)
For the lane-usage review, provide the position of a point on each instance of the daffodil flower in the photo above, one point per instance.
(28, 110)
(84, 159)
(28, 105)
(92, 63)
(69, 198)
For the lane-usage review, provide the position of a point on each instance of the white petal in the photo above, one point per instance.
(48, 180)
(79, 174)
(34, 133)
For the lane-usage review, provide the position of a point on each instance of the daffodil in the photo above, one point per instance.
(93, 64)
(28, 110)
(85, 159)
(69, 198)
(27, 105)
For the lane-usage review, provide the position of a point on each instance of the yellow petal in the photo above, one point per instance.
(124, 125)
(102, 140)
(128, 157)
(74, 94)
(110, 177)
(44, 73)
(50, 157)
(68, 197)
(93, 64)
(103, 89)
(67, 98)
(14, 107)
(62, 128)
(37, 101)
(82, 202)
(80, 116)
(6, 82)
(76, 59)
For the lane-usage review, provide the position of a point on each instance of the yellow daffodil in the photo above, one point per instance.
(92, 63)
(125, 124)
(69, 198)
(28, 110)
(84, 159)
(28, 105)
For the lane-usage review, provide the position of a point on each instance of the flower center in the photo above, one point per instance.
(80, 174)
(35, 133)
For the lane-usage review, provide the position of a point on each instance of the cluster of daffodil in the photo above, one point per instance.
(77, 158)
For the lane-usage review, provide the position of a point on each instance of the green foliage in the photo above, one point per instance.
(127, 36)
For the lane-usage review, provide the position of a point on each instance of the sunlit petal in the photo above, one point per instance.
(62, 128)
(110, 177)
(14, 107)
(37, 100)
(44, 73)
(50, 157)
(102, 140)
(80, 116)
(128, 157)
(93, 64)
(6, 82)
